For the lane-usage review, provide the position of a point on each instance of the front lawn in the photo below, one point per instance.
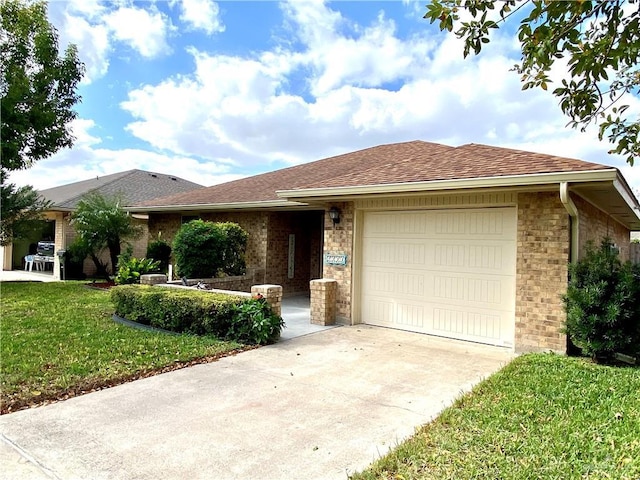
(543, 416)
(58, 340)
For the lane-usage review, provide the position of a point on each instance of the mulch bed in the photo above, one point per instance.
(101, 285)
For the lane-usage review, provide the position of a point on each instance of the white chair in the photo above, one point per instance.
(39, 262)
(28, 263)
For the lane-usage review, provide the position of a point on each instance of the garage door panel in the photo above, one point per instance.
(387, 282)
(486, 291)
(468, 325)
(482, 257)
(381, 252)
(381, 312)
(410, 315)
(449, 272)
(379, 281)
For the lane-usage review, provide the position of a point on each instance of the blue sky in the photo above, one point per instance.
(212, 92)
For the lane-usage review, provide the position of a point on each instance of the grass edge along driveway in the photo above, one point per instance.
(542, 416)
(58, 340)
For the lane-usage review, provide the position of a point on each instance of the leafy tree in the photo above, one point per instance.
(38, 89)
(102, 224)
(37, 95)
(598, 40)
(20, 212)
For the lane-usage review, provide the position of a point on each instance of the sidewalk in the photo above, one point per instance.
(25, 276)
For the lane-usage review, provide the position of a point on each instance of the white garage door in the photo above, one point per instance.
(448, 272)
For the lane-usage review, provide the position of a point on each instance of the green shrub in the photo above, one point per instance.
(206, 249)
(254, 322)
(233, 262)
(602, 303)
(161, 251)
(197, 312)
(130, 269)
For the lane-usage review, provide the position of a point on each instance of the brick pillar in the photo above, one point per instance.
(324, 295)
(273, 295)
(153, 279)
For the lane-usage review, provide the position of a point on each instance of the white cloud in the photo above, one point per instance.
(83, 163)
(350, 86)
(202, 15)
(87, 8)
(243, 107)
(92, 41)
(144, 30)
(87, 160)
(370, 57)
(95, 27)
(80, 130)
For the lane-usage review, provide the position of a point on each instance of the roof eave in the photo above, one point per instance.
(218, 206)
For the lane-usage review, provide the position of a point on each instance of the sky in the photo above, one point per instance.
(216, 91)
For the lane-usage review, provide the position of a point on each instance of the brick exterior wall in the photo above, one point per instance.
(139, 245)
(254, 223)
(267, 244)
(543, 249)
(596, 225)
(339, 239)
(541, 272)
(166, 225)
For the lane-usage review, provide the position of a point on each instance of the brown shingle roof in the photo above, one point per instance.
(408, 162)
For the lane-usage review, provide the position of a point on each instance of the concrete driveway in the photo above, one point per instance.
(319, 406)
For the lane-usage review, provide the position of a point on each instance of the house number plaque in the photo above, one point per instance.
(338, 259)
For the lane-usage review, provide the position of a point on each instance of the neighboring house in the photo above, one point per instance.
(132, 186)
(469, 242)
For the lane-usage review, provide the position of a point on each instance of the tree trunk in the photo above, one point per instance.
(114, 252)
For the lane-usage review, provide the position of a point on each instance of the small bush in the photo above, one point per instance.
(130, 269)
(197, 312)
(206, 249)
(602, 303)
(197, 248)
(254, 322)
(161, 251)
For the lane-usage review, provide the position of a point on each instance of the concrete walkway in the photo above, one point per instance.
(297, 318)
(25, 276)
(320, 406)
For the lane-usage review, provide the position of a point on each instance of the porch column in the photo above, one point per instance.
(59, 242)
(272, 294)
(324, 296)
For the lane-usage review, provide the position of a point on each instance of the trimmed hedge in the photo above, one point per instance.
(197, 312)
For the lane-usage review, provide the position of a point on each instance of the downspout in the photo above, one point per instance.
(575, 221)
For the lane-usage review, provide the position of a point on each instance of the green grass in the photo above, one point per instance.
(543, 416)
(58, 340)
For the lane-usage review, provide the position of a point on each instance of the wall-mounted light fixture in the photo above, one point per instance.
(334, 215)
